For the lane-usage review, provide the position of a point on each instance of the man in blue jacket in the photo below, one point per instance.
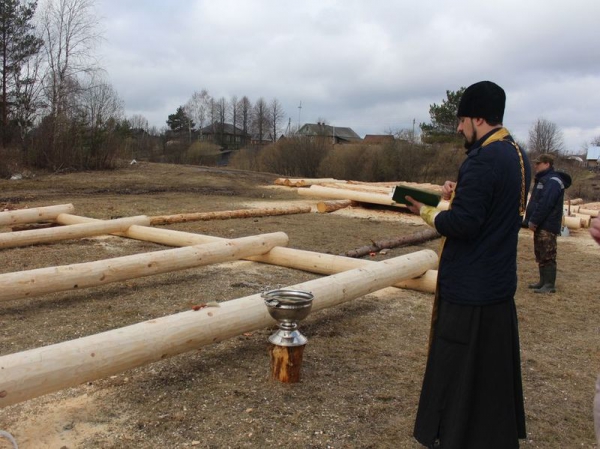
(544, 218)
(472, 394)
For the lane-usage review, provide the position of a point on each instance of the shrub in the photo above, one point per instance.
(246, 159)
(202, 153)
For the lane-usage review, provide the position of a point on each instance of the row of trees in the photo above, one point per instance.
(262, 119)
(55, 103)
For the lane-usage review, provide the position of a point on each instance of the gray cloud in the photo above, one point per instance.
(373, 66)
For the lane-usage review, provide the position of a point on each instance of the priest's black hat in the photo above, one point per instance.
(483, 100)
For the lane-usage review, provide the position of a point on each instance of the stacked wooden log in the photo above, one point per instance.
(354, 193)
(578, 215)
(341, 194)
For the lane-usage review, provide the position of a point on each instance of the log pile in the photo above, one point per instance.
(377, 193)
(578, 215)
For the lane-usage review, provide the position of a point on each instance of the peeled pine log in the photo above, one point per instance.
(75, 231)
(576, 201)
(67, 277)
(391, 184)
(309, 261)
(302, 182)
(426, 283)
(34, 215)
(590, 212)
(32, 373)
(585, 219)
(345, 194)
(324, 207)
(572, 222)
(227, 214)
(321, 263)
(359, 196)
(359, 188)
(417, 237)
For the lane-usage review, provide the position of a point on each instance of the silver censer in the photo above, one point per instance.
(288, 307)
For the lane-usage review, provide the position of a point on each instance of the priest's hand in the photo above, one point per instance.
(414, 206)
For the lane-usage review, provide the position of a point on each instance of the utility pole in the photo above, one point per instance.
(299, 112)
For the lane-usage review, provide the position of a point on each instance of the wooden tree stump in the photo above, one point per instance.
(286, 362)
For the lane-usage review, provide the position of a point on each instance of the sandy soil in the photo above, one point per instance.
(363, 364)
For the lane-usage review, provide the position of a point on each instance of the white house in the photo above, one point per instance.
(593, 156)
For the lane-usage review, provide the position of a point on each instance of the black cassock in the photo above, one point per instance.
(472, 395)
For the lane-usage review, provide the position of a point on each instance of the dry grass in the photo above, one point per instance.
(364, 361)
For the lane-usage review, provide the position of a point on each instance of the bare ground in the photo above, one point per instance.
(364, 361)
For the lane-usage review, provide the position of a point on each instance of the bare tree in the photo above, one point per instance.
(260, 118)
(138, 122)
(245, 109)
(221, 115)
(213, 113)
(596, 141)
(222, 110)
(197, 108)
(28, 96)
(70, 34)
(100, 103)
(545, 137)
(234, 115)
(101, 109)
(277, 115)
(405, 134)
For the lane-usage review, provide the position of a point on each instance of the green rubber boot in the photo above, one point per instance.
(540, 283)
(549, 277)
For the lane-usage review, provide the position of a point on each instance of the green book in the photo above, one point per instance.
(423, 196)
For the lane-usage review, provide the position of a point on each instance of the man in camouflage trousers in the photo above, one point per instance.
(544, 218)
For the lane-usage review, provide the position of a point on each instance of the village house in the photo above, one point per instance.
(592, 159)
(225, 135)
(335, 133)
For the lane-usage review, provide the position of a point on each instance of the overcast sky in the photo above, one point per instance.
(372, 65)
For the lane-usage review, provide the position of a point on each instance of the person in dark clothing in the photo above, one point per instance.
(544, 218)
(472, 395)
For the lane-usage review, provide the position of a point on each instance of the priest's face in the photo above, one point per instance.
(466, 127)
